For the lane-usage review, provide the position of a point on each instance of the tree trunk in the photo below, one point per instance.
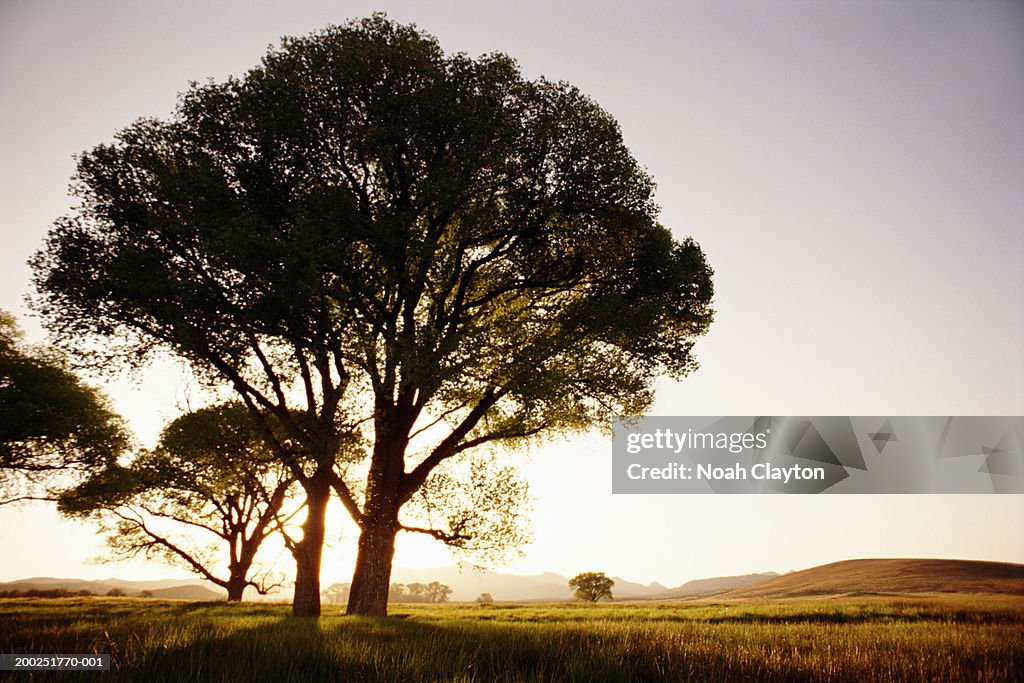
(368, 596)
(309, 551)
(236, 587)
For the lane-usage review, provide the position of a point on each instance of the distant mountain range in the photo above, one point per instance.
(467, 584)
(868, 576)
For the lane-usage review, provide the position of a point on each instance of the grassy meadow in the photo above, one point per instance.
(940, 638)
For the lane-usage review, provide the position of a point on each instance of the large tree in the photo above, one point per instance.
(51, 423)
(376, 243)
(591, 586)
(206, 498)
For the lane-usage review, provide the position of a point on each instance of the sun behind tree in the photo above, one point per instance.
(396, 255)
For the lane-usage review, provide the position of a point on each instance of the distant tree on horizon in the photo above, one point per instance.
(592, 586)
(337, 593)
(485, 599)
(437, 592)
(397, 591)
(433, 592)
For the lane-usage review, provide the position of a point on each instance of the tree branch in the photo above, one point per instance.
(307, 379)
(180, 520)
(347, 499)
(447, 538)
(447, 448)
(197, 566)
(18, 499)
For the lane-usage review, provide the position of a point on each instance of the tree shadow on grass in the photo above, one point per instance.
(290, 649)
(355, 649)
(283, 650)
(181, 642)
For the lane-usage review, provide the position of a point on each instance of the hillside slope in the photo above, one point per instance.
(714, 586)
(892, 576)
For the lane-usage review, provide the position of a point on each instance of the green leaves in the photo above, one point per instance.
(207, 463)
(479, 508)
(364, 234)
(50, 421)
(211, 491)
(591, 586)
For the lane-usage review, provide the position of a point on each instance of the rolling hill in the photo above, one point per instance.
(708, 587)
(891, 576)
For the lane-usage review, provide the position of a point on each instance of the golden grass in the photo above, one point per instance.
(918, 638)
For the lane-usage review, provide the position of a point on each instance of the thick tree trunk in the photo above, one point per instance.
(236, 587)
(368, 596)
(308, 553)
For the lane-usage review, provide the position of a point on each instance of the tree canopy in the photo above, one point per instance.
(50, 421)
(591, 586)
(205, 498)
(395, 254)
(435, 592)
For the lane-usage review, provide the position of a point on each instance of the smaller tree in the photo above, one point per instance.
(485, 599)
(397, 592)
(591, 586)
(336, 593)
(50, 421)
(417, 591)
(437, 592)
(209, 492)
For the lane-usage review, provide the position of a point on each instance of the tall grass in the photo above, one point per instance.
(937, 638)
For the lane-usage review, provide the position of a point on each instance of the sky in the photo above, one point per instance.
(853, 170)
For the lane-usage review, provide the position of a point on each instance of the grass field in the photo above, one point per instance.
(941, 638)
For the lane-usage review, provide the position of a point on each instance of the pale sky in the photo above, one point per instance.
(854, 171)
